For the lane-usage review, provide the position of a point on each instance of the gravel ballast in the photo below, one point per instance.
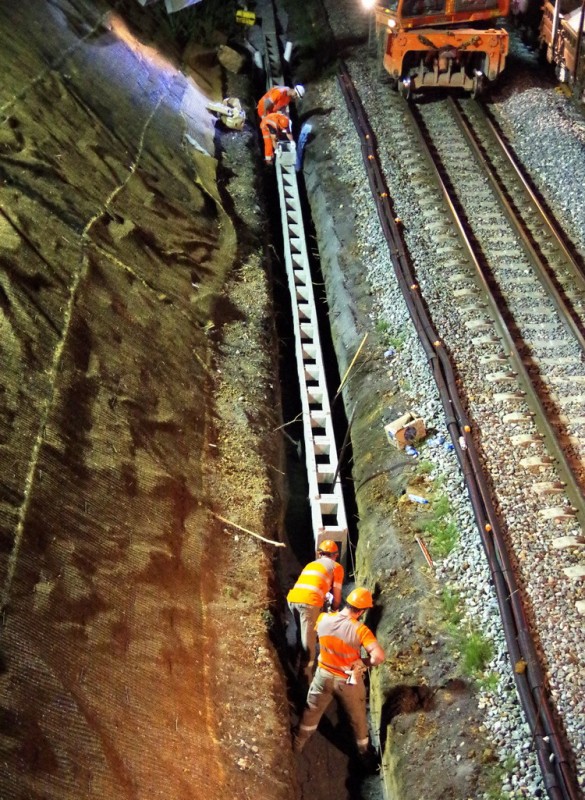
(548, 134)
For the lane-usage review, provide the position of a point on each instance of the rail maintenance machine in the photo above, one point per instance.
(427, 44)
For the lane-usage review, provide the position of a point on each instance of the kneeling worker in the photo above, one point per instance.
(340, 670)
(307, 598)
(275, 127)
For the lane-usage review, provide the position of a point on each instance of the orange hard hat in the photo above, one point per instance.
(328, 546)
(360, 598)
(282, 121)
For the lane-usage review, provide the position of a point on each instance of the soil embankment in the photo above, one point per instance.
(137, 408)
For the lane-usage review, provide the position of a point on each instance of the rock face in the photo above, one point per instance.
(133, 416)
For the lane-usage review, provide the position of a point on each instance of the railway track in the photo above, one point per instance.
(519, 290)
(518, 295)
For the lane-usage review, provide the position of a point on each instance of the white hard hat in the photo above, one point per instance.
(300, 90)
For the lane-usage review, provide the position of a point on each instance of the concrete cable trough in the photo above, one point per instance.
(328, 514)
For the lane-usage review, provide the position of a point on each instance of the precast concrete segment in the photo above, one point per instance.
(325, 496)
(328, 514)
(272, 59)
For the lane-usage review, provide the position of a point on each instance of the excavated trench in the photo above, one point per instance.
(380, 475)
(334, 742)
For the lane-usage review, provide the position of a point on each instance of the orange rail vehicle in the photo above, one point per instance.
(562, 35)
(441, 43)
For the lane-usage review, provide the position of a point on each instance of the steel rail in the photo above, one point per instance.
(550, 223)
(520, 226)
(546, 428)
(559, 780)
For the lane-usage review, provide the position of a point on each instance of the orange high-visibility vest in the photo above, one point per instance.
(275, 123)
(341, 639)
(274, 99)
(316, 579)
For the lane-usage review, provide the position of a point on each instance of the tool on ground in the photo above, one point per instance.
(230, 112)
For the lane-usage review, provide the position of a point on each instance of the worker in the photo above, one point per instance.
(340, 671)
(275, 127)
(307, 598)
(277, 98)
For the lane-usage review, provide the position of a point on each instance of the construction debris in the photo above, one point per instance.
(230, 59)
(405, 430)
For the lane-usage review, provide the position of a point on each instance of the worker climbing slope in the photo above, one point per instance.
(307, 599)
(340, 672)
(277, 98)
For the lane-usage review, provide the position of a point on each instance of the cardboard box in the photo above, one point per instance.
(405, 430)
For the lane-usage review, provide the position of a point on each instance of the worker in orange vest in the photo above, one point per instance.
(274, 127)
(307, 599)
(277, 98)
(340, 671)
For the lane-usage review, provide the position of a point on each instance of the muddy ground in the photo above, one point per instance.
(142, 640)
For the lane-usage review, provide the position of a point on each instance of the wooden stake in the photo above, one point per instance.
(425, 551)
(245, 530)
(354, 359)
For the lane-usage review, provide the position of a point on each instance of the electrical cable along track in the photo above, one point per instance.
(521, 322)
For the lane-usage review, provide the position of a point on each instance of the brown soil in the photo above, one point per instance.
(137, 406)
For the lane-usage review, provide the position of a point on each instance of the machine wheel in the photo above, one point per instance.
(405, 88)
(479, 83)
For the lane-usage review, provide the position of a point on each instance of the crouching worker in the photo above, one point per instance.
(274, 127)
(307, 599)
(277, 98)
(340, 671)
